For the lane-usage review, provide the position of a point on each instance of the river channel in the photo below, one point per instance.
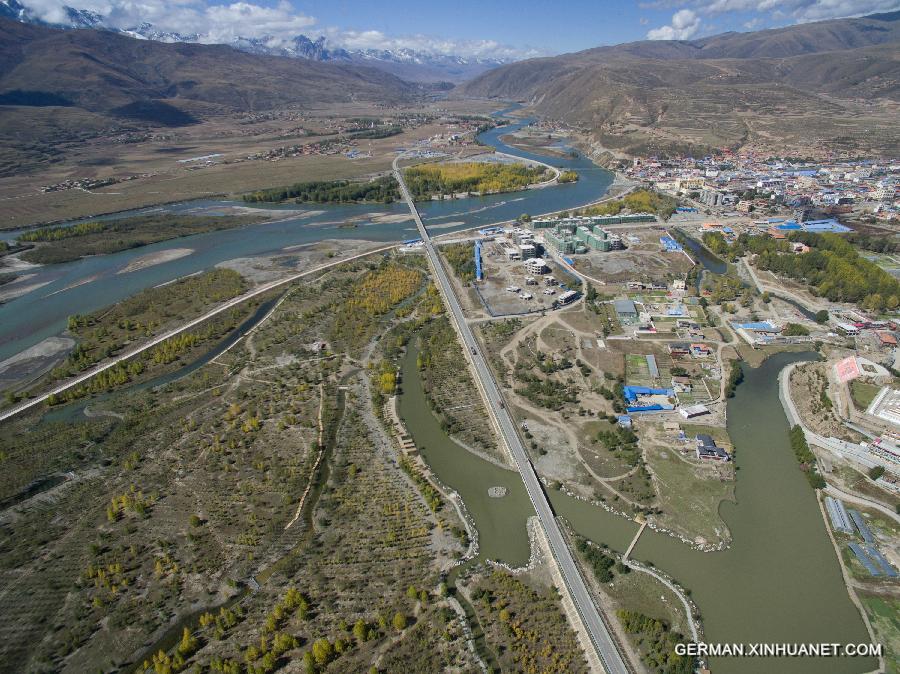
(778, 582)
(91, 283)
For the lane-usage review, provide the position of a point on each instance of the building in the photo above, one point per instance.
(670, 245)
(584, 233)
(535, 265)
(693, 411)
(886, 338)
(708, 449)
(625, 310)
(677, 349)
(566, 298)
(840, 520)
(682, 384)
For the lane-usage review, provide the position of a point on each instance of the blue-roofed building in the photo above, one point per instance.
(756, 326)
(670, 244)
(478, 273)
(840, 520)
(864, 559)
(821, 226)
(860, 523)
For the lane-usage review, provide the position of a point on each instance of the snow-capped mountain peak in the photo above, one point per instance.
(408, 63)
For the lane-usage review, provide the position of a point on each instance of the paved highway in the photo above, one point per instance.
(575, 586)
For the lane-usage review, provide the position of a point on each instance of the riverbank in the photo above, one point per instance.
(775, 524)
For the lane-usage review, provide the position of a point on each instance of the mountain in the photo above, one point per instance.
(120, 76)
(832, 84)
(409, 64)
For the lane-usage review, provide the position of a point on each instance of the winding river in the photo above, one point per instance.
(779, 581)
(89, 284)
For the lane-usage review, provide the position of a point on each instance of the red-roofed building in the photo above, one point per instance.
(886, 338)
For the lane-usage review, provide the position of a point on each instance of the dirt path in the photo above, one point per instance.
(321, 443)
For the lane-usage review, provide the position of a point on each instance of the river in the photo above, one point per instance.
(91, 283)
(779, 581)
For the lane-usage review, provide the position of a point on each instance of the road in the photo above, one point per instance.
(841, 448)
(574, 584)
(131, 353)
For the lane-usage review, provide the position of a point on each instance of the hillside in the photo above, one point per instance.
(168, 84)
(832, 84)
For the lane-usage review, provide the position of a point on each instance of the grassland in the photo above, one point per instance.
(160, 176)
(461, 258)
(863, 393)
(689, 495)
(449, 388)
(482, 177)
(64, 244)
(883, 613)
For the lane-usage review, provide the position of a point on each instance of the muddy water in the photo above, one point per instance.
(779, 582)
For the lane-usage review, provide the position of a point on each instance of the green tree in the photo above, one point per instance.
(322, 651)
(399, 621)
(360, 630)
(188, 642)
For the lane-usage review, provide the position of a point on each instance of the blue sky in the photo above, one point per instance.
(577, 24)
(464, 27)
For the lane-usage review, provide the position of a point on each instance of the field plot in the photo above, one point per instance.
(648, 370)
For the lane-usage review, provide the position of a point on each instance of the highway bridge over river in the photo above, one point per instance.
(575, 586)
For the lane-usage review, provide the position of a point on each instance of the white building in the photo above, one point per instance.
(535, 265)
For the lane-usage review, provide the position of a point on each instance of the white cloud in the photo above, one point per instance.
(798, 11)
(685, 24)
(213, 24)
(374, 39)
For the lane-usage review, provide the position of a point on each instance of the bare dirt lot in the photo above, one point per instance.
(642, 261)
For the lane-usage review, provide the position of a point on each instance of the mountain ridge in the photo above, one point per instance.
(410, 64)
(832, 83)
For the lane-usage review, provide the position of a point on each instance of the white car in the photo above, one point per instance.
(513, 289)
(525, 296)
(549, 291)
